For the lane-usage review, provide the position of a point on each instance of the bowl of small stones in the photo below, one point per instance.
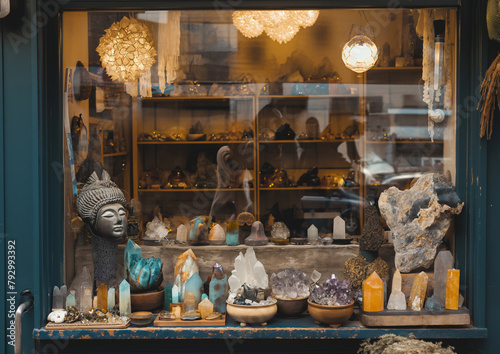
(291, 289)
(250, 306)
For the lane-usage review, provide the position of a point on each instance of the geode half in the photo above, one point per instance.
(419, 219)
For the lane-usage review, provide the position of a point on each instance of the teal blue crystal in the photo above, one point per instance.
(218, 293)
(70, 300)
(168, 297)
(146, 274)
(232, 237)
(203, 296)
(432, 304)
(193, 286)
(135, 271)
(131, 256)
(192, 233)
(125, 305)
(155, 270)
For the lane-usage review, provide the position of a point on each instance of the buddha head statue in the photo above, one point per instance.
(101, 205)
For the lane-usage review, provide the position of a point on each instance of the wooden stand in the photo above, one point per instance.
(197, 323)
(392, 318)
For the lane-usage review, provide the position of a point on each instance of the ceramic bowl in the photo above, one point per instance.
(141, 318)
(251, 314)
(280, 241)
(291, 307)
(333, 316)
(147, 301)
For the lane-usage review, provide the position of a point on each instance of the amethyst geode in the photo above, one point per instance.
(332, 293)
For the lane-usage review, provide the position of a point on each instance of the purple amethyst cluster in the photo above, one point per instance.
(332, 293)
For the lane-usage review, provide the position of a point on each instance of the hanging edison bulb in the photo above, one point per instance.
(127, 50)
(360, 54)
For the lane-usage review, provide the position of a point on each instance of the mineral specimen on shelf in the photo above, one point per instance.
(185, 266)
(124, 304)
(175, 294)
(418, 290)
(432, 304)
(397, 300)
(257, 236)
(132, 255)
(167, 297)
(373, 293)
(70, 300)
(338, 228)
(156, 230)
(419, 219)
(192, 292)
(357, 269)
(290, 284)
(280, 231)
(82, 281)
(452, 288)
(102, 297)
(315, 276)
(373, 234)
(146, 275)
(312, 235)
(247, 271)
(57, 300)
(206, 308)
(111, 298)
(332, 293)
(218, 289)
(245, 221)
(232, 235)
(444, 261)
(64, 294)
(199, 232)
(217, 236)
(181, 236)
(57, 316)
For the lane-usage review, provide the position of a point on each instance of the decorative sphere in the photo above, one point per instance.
(360, 54)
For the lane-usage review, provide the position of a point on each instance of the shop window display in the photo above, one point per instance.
(260, 141)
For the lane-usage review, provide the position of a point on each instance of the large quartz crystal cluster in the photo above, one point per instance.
(156, 230)
(419, 219)
(248, 281)
(332, 293)
(290, 284)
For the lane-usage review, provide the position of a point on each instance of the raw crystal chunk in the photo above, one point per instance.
(167, 297)
(290, 284)
(64, 294)
(257, 236)
(70, 300)
(397, 300)
(373, 293)
(280, 231)
(432, 304)
(332, 293)
(192, 292)
(312, 235)
(338, 228)
(418, 290)
(217, 236)
(156, 230)
(234, 283)
(185, 266)
(218, 293)
(125, 305)
(198, 233)
(111, 298)
(452, 287)
(57, 301)
(315, 276)
(232, 234)
(132, 254)
(443, 262)
(102, 298)
(260, 275)
(182, 233)
(206, 308)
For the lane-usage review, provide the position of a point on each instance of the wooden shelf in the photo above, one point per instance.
(115, 154)
(311, 96)
(316, 141)
(194, 190)
(173, 98)
(404, 142)
(395, 68)
(187, 142)
(303, 188)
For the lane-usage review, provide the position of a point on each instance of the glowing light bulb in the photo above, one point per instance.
(360, 54)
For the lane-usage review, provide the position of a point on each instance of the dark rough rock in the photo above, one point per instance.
(357, 269)
(373, 236)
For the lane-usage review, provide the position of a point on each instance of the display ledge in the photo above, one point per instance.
(278, 328)
(404, 142)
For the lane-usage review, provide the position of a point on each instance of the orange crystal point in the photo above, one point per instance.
(452, 289)
(373, 293)
(205, 308)
(418, 290)
(102, 298)
(179, 265)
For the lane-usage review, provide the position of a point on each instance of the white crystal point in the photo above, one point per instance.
(396, 282)
(397, 301)
(181, 236)
(315, 276)
(261, 278)
(312, 234)
(250, 261)
(338, 228)
(250, 257)
(241, 268)
(234, 283)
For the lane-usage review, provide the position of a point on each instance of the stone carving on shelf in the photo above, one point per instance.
(419, 219)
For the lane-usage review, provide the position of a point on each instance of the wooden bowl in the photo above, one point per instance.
(141, 318)
(291, 307)
(251, 314)
(147, 301)
(333, 316)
